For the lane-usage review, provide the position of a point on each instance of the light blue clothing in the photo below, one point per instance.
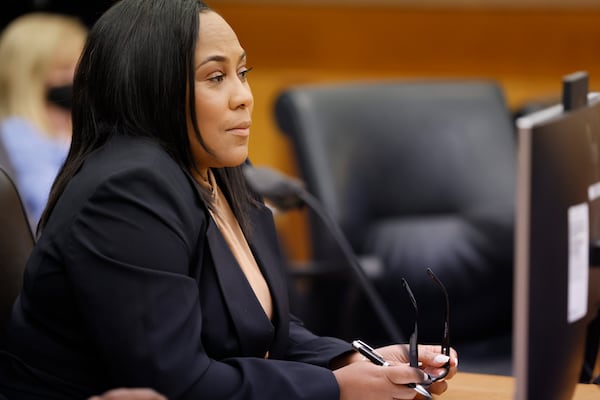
(35, 159)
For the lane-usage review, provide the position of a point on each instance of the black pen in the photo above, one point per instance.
(370, 353)
(378, 359)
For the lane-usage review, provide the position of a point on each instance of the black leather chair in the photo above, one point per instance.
(418, 174)
(16, 243)
(5, 162)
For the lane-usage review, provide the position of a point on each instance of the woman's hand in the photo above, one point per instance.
(373, 381)
(363, 380)
(431, 360)
(129, 394)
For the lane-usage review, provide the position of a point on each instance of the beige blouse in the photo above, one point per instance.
(232, 232)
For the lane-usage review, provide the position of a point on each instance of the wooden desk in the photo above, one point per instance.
(467, 386)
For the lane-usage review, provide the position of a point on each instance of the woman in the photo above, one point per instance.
(39, 52)
(156, 266)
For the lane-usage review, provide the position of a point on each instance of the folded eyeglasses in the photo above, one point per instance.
(413, 340)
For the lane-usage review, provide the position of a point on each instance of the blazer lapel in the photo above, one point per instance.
(254, 330)
(268, 256)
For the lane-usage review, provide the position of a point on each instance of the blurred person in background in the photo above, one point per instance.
(39, 52)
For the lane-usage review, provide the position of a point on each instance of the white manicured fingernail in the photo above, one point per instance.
(441, 359)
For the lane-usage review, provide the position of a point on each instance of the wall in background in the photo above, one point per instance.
(426, 3)
(527, 50)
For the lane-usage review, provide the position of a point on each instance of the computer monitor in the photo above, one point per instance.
(557, 278)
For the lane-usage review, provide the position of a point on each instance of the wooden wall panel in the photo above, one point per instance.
(526, 50)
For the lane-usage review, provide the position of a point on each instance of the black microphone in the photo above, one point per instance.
(287, 193)
(284, 193)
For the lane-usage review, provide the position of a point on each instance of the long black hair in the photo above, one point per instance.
(132, 79)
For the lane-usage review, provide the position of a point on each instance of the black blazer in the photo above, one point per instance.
(132, 285)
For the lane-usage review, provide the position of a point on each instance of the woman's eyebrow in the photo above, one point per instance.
(219, 58)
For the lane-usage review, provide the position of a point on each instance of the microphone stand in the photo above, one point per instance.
(277, 188)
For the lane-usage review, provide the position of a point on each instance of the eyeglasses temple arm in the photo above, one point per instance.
(446, 338)
(413, 350)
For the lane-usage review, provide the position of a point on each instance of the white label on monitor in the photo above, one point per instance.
(594, 191)
(578, 262)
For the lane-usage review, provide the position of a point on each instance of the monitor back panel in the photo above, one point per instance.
(557, 173)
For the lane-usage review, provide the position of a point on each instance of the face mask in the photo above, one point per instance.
(61, 96)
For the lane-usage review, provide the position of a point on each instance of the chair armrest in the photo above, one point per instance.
(371, 265)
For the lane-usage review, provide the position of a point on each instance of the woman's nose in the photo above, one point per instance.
(242, 95)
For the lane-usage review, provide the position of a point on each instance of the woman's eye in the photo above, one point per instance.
(244, 73)
(217, 78)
